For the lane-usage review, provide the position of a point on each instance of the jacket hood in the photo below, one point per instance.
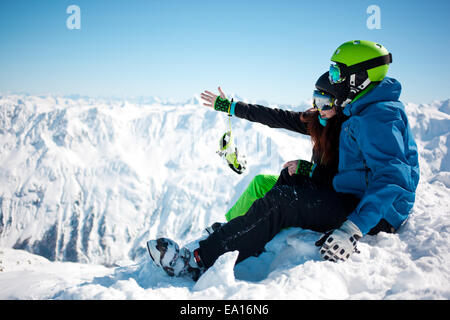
(387, 90)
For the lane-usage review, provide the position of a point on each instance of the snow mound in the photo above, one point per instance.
(85, 183)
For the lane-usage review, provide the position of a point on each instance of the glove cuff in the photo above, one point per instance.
(351, 228)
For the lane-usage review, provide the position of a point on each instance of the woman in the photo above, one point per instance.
(322, 125)
(301, 197)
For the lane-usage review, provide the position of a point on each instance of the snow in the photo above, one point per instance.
(84, 183)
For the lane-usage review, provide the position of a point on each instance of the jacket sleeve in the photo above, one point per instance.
(274, 118)
(390, 191)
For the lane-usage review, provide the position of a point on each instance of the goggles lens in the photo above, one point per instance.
(322, 101)
(335, 75)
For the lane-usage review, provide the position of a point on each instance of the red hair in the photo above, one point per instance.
(325, 140)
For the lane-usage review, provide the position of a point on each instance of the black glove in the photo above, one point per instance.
(340, 243)
(305, 168)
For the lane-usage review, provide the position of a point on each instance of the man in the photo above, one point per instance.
(378, 159)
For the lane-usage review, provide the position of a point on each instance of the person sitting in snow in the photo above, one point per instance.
(322, 123)
(373, 190)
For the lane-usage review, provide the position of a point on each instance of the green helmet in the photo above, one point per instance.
(354, 52)
(358, 63)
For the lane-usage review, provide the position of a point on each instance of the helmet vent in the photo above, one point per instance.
(356, 42)
(378, 45)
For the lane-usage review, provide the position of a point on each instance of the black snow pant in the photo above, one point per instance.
(294, 201)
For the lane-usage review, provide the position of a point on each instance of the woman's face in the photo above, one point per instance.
(328, 114)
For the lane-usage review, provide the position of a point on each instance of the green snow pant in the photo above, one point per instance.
(257, 188)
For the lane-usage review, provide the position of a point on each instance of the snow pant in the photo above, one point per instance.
(291, 202)
(257, 188)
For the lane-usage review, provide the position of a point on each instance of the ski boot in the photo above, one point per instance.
(175, 261)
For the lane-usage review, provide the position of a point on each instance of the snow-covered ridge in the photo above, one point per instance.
(90, 180)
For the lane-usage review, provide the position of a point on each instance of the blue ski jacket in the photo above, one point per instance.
(378, 159)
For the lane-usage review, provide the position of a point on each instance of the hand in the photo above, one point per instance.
(302, 167)
(341, 243)
(292, 166)
(210, 97)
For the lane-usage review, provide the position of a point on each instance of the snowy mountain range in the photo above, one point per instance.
(84, 183)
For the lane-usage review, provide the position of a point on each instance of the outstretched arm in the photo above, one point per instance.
(274, 118)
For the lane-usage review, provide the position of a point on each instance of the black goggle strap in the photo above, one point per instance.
(366, 65)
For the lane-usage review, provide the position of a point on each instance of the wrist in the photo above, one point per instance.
(312, 170)
(351, 228)
(232, 107)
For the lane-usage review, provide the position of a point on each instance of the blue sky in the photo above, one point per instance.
(270, 50)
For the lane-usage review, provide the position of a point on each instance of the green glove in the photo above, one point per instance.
(222, 104)
(305, 168)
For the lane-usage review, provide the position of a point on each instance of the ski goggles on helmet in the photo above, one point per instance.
(335, 74)
(322, 101)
